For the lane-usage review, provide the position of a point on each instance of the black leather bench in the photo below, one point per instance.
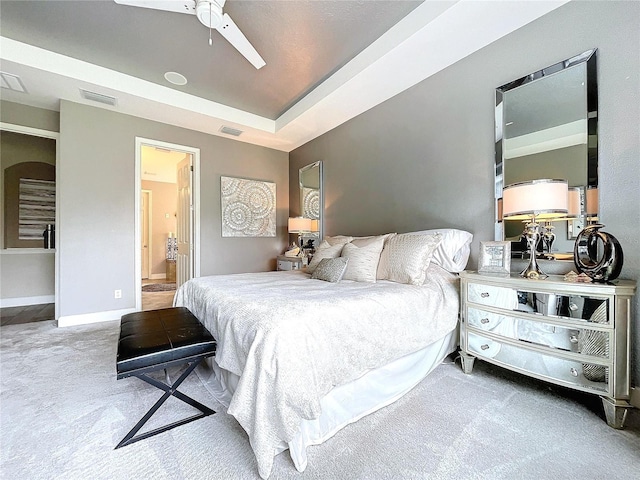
(155, 340)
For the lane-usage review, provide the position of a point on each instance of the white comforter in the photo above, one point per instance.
(292, 339)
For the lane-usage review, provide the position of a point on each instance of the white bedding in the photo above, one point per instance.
(291, 339)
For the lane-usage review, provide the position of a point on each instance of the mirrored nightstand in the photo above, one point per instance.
(288, 263)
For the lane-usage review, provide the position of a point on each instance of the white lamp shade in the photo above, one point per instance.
(573, 208)
(591, 201)
(315, 227)
(542, 198)
(299, 225)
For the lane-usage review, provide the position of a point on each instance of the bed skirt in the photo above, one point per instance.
(346, 403)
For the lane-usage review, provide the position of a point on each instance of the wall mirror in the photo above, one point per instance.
(546, 127)
(312, 199)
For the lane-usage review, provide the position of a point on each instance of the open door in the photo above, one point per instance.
(187, 179)
(184, 260)
(145, 229)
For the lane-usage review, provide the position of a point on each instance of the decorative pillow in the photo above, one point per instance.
(406, 257)
(453, 252)
(364, 241)
(324, 250)
(338, 239)
(331, 269)
(363, 261)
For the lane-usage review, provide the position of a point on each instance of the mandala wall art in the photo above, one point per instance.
(311, 203)
(248, 207)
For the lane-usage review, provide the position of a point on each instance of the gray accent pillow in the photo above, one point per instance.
(330, 269)
(325, 250)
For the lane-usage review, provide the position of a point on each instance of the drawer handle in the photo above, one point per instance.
(573, 339)
(485, 347)
(484, 294)
(574, 372)
(573, 307)
(484, 320)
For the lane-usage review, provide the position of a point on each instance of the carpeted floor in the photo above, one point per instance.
(62, 412)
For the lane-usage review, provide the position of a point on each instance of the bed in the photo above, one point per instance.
(299, 357)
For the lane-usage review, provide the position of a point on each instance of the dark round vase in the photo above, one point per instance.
(585, 254)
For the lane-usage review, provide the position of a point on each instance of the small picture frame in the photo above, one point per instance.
(495, 258)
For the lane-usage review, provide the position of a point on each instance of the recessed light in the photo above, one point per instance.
(175, 78)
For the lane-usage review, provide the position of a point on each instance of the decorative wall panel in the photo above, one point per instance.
(37, 207)
(248, 207)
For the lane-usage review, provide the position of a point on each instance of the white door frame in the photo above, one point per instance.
(37, 132)
(195, 194)
(150, 230)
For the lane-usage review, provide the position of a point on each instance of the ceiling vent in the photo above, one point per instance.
(230, 131)
(98, 97)
(12, 82)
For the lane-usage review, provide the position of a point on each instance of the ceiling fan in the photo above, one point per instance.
(209, 12)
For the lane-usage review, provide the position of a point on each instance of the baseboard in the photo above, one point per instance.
(635, 397)
(157, 276)
(86, 318)
(24, 301)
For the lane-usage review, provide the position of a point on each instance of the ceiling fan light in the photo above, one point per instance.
(209, 13)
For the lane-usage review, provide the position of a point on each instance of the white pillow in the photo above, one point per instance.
(363, 261)
(405, 258)
(338, 239)
(324, 250)
(364, 241)
(453, 252)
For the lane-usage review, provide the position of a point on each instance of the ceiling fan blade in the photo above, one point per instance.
(178, 6)
(235, 37)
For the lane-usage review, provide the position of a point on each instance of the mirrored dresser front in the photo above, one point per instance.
(571, 334)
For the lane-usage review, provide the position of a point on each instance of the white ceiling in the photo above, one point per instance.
(304, 90)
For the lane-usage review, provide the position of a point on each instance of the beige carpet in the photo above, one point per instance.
(62, 412)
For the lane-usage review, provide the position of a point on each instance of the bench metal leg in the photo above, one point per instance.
(169, 391)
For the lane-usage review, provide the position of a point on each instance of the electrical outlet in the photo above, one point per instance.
(117, 294)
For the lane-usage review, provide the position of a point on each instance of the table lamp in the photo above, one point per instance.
(535, 200)
(591, 205)
(299, 225)
(573, 211)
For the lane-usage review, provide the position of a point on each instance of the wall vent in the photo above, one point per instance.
(98, 97)
(12, 82)
(230, 131)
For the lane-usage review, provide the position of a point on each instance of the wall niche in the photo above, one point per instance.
(29, 174)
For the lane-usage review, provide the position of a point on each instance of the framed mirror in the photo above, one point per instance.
(546, 127)
(312, 200)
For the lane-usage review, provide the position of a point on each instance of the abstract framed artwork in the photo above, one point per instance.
(248, 207)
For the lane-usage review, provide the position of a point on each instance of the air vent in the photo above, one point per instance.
(12, 82)
(230, 131)
(98, 97)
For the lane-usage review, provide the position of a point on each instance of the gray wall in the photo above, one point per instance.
(425, 158)
(27, 278)
(29, 116)
(96, 177)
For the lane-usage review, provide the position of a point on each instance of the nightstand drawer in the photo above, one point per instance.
(289, 263)
(573, 373)
(575, 307)
(486, 320)
(535, 331)
(501, 297)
